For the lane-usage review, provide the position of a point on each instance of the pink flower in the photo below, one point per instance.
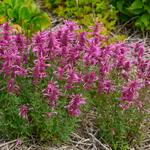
(74, 105)
(23, 111)
(11, 85)
(72, 77)
(89, 80)
(12, 56)
(138, 50)
(38, 44)
(104, 68)
(130, 91)
(6, 31)
(91, 54)
(18, 142)
(51, 114)
(126, 66)
(52, 94)
(104, 86)
(59, 73)
(39, 71)
(125, 75)
(82, 40)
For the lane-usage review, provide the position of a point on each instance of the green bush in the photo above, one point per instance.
(39, 125)
(139, 10)
(84, 11)
(44, 82)
(24, 13)
(122, 129)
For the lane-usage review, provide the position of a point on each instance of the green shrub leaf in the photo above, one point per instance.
(145, 18)
(137, 4)
(24, 13)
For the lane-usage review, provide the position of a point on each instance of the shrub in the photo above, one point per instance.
(46, 81)
(24, 13)
(34, 106)
(85, 12)
(137, 9)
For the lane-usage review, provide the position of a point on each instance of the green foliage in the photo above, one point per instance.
(25, 13)
(118, 127)
(84, 11)
(138, 9)
(57, 128)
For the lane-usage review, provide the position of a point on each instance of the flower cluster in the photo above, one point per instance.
(80, 61)
(74, 105)
(130, 91)
(52, 75)
(23, 111)
(52, 93)
(13, 51)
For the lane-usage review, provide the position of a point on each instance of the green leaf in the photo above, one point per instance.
(137, 4)
(145, 18)
(10, 13)
(147, 8)
(24, 13)
(9, 2)
(45, 20)
(139, 23)
(136, 7)
(18, 3)
(42, 21)
(120, 5)
(2, 9)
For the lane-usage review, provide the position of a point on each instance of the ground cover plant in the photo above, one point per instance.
(24, 13)
(48, 80)
(85, 12)
(137, 10)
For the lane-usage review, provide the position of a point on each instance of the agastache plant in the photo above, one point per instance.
(52, 94)
(69, 65)
(74, 105)
(12, 50)
(71, 53)
(23, 111)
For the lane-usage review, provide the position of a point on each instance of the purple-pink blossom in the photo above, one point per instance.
(130, 91)
(23, 111)
(104, 86)
(74, 105)
(89, 80)
(51, 93)
(78, 61)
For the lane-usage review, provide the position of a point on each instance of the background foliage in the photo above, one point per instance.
(24, 13)
(139, 10)
(84, 11)
(39, 126)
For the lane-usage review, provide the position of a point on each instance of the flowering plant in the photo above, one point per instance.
(51, 76)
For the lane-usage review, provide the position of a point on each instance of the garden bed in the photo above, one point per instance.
(73, 87)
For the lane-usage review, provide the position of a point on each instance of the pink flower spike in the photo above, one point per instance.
(74, 105)
(18, 142)
(51, 114)
(104, 86)
(130, 91)
(11, 85)
(23, 111)
(52, 94)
